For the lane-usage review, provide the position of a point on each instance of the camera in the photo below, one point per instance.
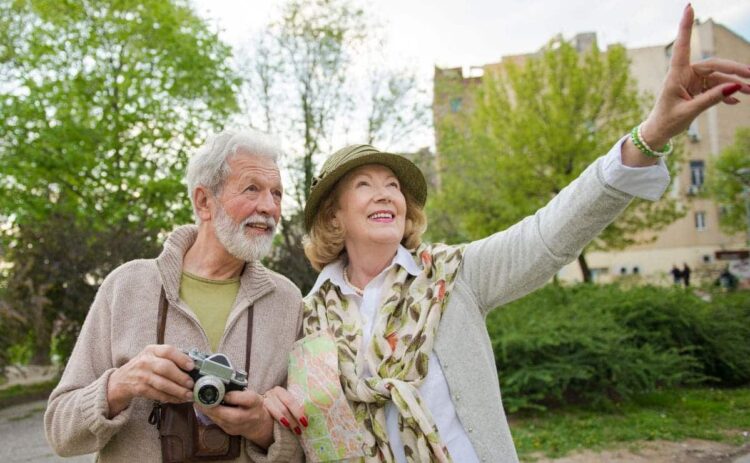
(214, 376)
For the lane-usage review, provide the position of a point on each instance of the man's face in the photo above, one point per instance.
(249, 207)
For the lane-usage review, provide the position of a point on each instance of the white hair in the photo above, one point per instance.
(209, 166)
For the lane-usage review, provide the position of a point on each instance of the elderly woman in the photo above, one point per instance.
(408, 319)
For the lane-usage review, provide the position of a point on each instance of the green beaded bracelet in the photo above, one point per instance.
(640, 143)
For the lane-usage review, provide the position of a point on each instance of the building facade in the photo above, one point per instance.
(692, 240)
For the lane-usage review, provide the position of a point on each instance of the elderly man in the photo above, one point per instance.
(210, 292)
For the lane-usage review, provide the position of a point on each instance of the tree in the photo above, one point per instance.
(528, 132)
(727, 182)
(308, 81)
(101, 103)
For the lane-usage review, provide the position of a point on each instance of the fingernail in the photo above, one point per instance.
(188, 395)
(189, 384)
(284, 421)
(303, 420)
(189, 365)
(729, 89)
(298, 430)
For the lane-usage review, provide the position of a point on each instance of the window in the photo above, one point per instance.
(697, 173)
(623, 271)
(700, 221)
(455, 104)
(693, 133)
(598, 272)
(706, 258)
(636, 270)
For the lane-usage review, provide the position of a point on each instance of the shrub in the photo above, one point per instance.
(597, 343)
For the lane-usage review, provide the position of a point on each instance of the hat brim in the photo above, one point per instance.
(410, 177)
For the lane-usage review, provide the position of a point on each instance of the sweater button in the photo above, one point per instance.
(471, 429)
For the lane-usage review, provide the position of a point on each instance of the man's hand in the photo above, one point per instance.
(155, 373)
(247, 417)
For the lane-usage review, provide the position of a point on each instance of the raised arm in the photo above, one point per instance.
(514, 262)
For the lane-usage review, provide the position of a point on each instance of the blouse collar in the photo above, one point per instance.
(335, 270)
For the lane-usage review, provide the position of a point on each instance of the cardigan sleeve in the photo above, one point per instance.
(284, 449)
(76, 420)
(510, 264)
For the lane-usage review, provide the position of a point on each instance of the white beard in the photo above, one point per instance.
(233, 237)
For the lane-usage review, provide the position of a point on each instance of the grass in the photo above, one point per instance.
(18, 394)
(673, 415)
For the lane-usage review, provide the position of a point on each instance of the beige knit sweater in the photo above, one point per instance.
(122, 321)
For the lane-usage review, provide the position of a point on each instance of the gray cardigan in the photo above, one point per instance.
(499, 269)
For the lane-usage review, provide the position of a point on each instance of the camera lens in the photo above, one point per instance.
(208, 395)
(208, 391)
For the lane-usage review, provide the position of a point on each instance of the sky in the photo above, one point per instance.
(422, 34)
(452, 33)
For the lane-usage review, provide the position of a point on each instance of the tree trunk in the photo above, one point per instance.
(41, 355)
(585, 270)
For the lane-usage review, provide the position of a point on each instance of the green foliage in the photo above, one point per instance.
(527, 132)
(726, 183)
(596, 343)
(101, 104)
(674, 415)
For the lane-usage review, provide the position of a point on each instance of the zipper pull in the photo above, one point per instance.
(155, 417)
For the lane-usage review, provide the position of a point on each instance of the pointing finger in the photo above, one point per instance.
(681, 47)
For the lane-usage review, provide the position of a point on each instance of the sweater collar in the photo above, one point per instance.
(255, 281)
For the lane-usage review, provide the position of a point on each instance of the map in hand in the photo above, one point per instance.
(333, 432)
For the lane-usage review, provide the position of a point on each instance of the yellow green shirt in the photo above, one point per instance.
(211, 301)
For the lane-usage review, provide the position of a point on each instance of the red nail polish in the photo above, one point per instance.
(303, 420)
(729, 89)
(298, 430)
(284, 421)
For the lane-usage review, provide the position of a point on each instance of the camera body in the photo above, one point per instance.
(214, 376)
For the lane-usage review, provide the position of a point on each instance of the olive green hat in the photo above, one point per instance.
(346, 159)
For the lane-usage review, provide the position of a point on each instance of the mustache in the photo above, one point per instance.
(260, 219)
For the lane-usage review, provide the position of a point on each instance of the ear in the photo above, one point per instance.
(201, 199)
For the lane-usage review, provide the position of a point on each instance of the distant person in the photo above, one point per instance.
(213, 287)
(686, 274)
(727, 280)
(676, 274)
(408, 318)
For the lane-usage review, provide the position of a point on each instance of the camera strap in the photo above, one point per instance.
(161, 325)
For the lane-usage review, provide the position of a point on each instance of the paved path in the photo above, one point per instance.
(22, 436)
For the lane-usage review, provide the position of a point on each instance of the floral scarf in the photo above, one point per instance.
(398, 354)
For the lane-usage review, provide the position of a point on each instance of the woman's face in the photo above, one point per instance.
(371, 206)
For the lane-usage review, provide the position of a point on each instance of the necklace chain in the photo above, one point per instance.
(359, 291)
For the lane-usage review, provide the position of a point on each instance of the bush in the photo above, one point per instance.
(598, 343)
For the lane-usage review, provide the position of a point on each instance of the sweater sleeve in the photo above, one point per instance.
(510, 264)
(76, 421)
(285, 448)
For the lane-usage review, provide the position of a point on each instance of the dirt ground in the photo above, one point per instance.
(689, 451)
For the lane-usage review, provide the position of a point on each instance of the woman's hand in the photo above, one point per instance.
(690, 89)
(284, 408)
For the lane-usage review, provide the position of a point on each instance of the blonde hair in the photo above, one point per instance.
(325, 241)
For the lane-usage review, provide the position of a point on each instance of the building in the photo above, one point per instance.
(693, 239)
